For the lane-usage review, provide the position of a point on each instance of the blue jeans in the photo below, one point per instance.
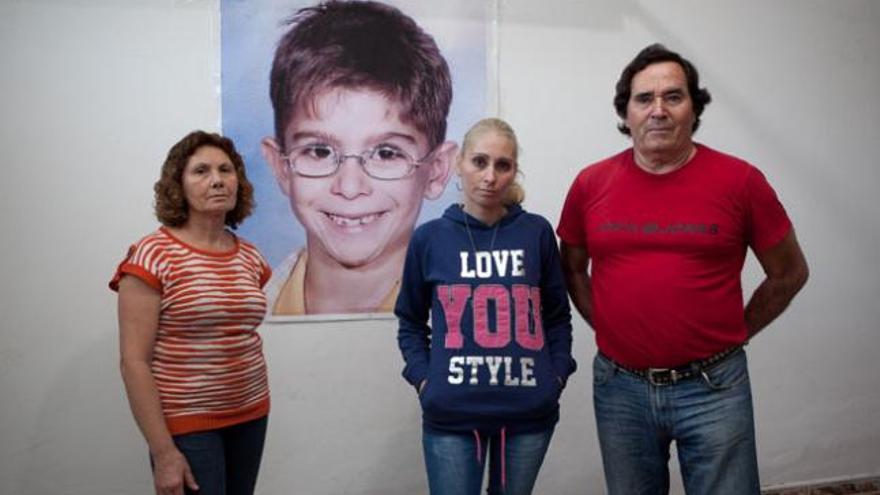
(709, 417)
(225, 461)
(456, 461)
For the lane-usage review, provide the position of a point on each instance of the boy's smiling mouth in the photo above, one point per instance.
(353, 221)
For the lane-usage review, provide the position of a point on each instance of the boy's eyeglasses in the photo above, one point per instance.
(384, 162)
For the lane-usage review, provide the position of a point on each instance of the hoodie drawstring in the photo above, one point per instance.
(502, 451)
(503, 457)
(479, 450)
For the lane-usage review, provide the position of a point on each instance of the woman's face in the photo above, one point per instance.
(210, 183)
(487, 168)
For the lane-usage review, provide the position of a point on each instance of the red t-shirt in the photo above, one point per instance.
(667, 251)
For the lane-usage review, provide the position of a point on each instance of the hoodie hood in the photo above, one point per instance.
(457, 214)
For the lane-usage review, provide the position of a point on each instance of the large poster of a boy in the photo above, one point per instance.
(348, 134)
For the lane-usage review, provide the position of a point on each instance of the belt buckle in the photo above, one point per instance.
(669, 376)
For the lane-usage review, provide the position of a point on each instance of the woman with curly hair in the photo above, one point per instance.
(190, 300)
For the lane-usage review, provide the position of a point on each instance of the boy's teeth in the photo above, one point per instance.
(352, 222)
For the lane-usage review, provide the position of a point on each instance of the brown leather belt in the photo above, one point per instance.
(670, 376)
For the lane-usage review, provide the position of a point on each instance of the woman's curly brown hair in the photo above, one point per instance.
(171, 207)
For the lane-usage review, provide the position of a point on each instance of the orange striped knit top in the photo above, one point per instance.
(208, 359)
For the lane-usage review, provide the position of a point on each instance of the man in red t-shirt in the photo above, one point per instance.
(664, 228)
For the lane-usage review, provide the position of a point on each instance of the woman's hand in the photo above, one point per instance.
(170, 472)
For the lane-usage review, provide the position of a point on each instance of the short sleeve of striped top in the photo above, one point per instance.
(150, 259)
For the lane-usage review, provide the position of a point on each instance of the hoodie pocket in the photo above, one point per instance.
(424, 391)
(524, 386)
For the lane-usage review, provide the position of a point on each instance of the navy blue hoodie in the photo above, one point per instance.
(498, 350)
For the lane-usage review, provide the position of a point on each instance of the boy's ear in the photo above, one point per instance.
(440, 169)
(272, 154)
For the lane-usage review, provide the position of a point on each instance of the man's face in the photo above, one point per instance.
(660, 112)
(348, 216)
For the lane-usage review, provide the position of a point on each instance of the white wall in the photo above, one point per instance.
(93, 92)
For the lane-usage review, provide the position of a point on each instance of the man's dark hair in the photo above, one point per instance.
(654, 54)
(361, 45)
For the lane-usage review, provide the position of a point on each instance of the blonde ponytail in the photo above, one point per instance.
(515, 194)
